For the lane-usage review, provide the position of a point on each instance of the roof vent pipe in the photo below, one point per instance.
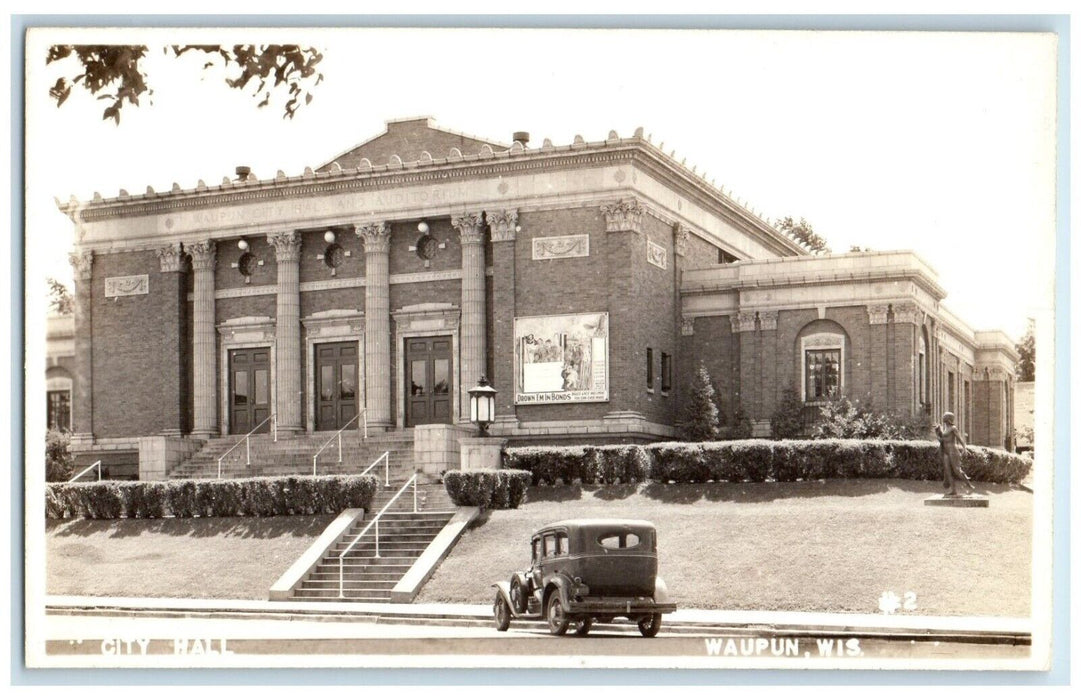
(242, 172)
(521, 137)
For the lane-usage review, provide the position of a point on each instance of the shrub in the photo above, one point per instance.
(495, 489)
(841, 417)
(741, 428)
(785, 423)
(682, 463)
(261, 496)
(58, 463)
(549, 465)
(623, 464)
(703, 418)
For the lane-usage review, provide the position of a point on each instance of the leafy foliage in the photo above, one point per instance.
(115, 73)
(703, 418)
(786, 422)
(58, 464)
(60, 299)
(1026, 366)
(803, 232)
(495, 489)
(841, 417)
(608, 464)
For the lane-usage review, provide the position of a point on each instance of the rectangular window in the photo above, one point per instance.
(666, 372)
(952, 392)
(59, 410)
(823, 372)
(649, 369)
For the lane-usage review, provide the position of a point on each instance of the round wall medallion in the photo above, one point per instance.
(334, 255)
(426, 247)
(246, 264)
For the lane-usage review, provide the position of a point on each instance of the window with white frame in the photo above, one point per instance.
(822, 366)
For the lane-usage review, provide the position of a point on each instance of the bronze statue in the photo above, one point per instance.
(949, 437)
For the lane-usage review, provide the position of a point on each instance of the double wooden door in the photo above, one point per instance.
(429, 381)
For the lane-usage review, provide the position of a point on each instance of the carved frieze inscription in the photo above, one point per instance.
(129, 286)
(555, 247)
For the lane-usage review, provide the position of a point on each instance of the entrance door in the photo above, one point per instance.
(428, 381)
(336, 385)
(249, 390)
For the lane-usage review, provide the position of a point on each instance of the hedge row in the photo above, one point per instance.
(623, 464)
(189, 498)
(759, 460)
(496, 489)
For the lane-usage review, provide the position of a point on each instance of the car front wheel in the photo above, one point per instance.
(557, 617)
(501, 612)
(650, 626)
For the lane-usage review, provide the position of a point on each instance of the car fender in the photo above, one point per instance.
(660, 591)
(556, 584)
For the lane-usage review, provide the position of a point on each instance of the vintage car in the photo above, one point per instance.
(584, 571)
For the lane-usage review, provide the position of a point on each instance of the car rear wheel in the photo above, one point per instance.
(517, 596)
(650, 626)
(557, 617)
(582, 626)
(501, 612)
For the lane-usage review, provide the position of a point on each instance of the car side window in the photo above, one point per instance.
(549, 545)
(562, 542)
(619, 540)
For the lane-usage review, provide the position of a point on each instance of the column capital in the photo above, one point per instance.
(470, 226)
(907, 313)
(203, 255)
(83, 263)
(742, 321)
(376, 236)
(687, 325)
(879, 313)
(503, 224)
(767, 320)
(680, 234)
(171, 257)
(286, 246)
(624, 215)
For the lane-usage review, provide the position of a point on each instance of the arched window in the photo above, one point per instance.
(822, 358)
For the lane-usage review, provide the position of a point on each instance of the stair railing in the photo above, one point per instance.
(338, 436)
(385, 459)
(80, 474)
(375, 522)
(246, 441)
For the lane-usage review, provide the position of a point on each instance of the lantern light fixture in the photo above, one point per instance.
(423, 227)
(242, 244)
(329, 237)
(482, 405)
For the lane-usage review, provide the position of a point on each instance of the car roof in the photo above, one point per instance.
(591, 523)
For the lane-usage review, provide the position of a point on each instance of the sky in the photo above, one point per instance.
(939, 143)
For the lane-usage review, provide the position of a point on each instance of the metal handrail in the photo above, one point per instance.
(338, 435)
(385, 459)
(80, 474)
(247, 442)
(375, 521)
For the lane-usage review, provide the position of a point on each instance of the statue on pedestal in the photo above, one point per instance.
(949, 437)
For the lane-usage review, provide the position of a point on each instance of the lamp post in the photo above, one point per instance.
(482, 405)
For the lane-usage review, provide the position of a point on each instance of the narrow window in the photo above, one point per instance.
(823, 372)
(59, 410)
(649, 369)
(666, 372)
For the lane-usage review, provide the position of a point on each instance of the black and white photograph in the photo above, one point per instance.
(501, 348)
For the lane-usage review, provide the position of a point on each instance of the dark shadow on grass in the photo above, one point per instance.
(258, 528)
(558, 494)
(614, 492)
(765, 492)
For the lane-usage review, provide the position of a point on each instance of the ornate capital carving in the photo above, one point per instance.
(470, 226)
(503, 224)
(286, 246)
(83, 264)
(767, 320)
(687, 325)
(681, 234)
(742, 321)
(879, 313)
(624, 215)
(906, 313)
(376, 237)
(203, 255)
(171, 257)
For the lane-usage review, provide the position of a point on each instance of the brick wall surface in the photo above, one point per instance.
(405, 234)
(407, 139)
(650, 313)
(715, 346)
(228, 277)
(313, 244)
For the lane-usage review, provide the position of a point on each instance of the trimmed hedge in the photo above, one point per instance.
(760, 460)
(199, 498)
(610, 464)
(494, 489)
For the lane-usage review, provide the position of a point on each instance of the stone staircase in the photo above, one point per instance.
(293, 455)
(403, 536)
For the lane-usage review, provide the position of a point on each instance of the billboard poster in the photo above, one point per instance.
(561, 359)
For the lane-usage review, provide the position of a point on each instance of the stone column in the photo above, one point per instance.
(288, 396)
(504, 228)
(474, 351)
(377, 374)
(82, 405)
(205, 369)
(170, 324)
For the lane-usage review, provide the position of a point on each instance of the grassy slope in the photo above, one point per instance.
(176, 558)
(829, 547)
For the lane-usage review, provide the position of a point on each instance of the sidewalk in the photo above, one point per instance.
(686, 621)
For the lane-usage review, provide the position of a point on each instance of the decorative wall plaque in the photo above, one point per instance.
(656, 255)
(132, 285)
(555, 247)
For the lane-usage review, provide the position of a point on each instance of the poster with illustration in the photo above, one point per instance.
(561, 359)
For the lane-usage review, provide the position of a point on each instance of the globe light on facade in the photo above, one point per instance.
(423, 227)
(482, 405)
(329, 237)
(242, 244)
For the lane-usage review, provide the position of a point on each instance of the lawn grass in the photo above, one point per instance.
(831, 546)
(175, 557)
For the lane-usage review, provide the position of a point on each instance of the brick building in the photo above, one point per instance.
(587, 281)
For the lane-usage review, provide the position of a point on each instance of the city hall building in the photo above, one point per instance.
(586, 281)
